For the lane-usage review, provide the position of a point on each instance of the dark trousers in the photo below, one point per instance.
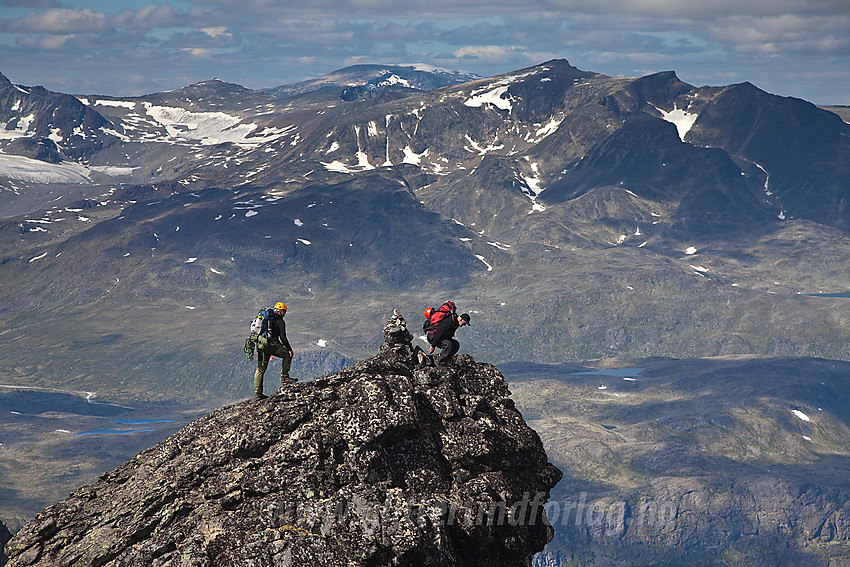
(265, 351)
(449, 348)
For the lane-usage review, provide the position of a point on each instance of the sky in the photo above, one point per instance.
(798, 48)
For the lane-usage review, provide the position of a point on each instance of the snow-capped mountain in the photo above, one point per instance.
(574, 215)
(378, 77)
(518, 182)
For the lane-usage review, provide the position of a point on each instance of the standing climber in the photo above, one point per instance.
(274, 343)
(441, 327)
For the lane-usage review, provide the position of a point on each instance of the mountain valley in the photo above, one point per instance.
(584, 221)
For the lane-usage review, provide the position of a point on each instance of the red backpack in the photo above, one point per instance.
(434, 316)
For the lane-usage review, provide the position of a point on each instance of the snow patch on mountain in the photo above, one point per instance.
(766, 179)
(477, 148)
(801, 415)
(210, 128)
(361, 155)
(682, 119)
(426, 68)
(113, 170)
(28, 169)
(533, 181)
(493, 96)
(489, 267)
(114, 103)
(394, 79)
(544, 130)
(412, 157)
(363, 161)
(536, 207)
(21, 128)
(532, 188)
(338, 167)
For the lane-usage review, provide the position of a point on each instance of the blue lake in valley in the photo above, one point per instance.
(78, 414)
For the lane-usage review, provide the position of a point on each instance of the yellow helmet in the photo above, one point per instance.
(280, 305)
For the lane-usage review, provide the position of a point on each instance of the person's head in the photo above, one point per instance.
(463, 319)
(280, 308)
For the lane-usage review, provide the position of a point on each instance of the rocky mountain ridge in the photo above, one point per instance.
(609, 204)
(372, 78)
(387, 462)
(578, 217)
(563, 132)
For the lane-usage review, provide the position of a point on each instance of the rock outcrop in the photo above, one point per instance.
(386, 462)
(5, 536)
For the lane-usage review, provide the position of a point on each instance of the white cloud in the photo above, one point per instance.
(491, 52)
(784, 46)
(46, 42)
(217, 32)
(61, 20)
(198, 52)
(152, 16)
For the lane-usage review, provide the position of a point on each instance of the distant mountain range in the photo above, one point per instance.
(576, 216)
(375, 78)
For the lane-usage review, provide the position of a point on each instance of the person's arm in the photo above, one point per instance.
(283, 340)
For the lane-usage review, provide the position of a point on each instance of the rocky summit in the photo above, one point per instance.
(390, 461)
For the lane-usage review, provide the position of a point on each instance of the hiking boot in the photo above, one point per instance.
(260, 396)
(284, 380)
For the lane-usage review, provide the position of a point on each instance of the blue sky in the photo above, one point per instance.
(795, 48)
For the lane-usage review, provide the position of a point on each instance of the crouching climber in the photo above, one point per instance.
(440, 328)
(272, 341)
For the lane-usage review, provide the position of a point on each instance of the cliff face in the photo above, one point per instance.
(387, 462)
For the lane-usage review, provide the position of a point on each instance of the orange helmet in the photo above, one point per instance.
(280, 305)
(428, 312)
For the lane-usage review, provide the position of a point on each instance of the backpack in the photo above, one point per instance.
(260, 324)
(434, 316)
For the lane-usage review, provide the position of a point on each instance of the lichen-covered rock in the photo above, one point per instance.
(386, 462)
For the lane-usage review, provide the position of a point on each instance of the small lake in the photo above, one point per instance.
(77, 414)
(530, 371)
(842, 294)
(112, 431)
(35, 402)
(618, 372)
(118, 431)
